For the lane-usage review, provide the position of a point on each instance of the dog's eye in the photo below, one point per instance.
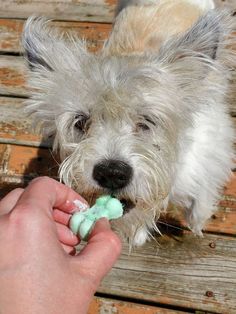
(145, 125)
(142, 126)
(81, 122)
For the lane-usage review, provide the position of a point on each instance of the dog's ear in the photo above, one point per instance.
(209, 39)
(39, 43)
(46, 48)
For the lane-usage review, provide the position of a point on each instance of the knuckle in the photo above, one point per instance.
(41, 180)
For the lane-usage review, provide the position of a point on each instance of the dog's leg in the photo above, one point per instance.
(200, 211)
(141, 236)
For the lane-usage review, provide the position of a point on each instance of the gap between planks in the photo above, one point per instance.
(97, 10)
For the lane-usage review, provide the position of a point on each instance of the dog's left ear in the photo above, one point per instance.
(209, 39)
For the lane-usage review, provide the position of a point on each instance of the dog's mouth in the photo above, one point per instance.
(127, 205)
(126, 202)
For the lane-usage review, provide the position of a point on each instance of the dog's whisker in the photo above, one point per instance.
(170, 225)
(51, 153)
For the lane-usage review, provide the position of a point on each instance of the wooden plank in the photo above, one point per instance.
(73, 10)
(20, 161)
(16, 126)
(109, 306)
(229, 4)
(94, 33)
(19, 164)
(14, 123)
(182, 271)
(13, 76)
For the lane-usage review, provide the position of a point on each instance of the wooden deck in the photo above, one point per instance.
(177, 273)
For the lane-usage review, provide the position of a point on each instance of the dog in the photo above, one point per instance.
(146, 118)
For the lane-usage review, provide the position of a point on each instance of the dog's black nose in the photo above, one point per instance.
(112, 174)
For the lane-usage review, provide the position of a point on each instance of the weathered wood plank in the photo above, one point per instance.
(12, 76)
(20, 161)
(109, 306)
(74, 10)
(16, 126)
(229, 4)
(183, 271)
(19, 164)
(11, 30)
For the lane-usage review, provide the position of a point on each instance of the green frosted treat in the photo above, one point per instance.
(85, 228)
(117, 208)
(75, 222)
(81, 223)
(102, 200)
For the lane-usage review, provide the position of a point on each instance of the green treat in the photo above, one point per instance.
(75, 222)
(102, 200)
(81, 223)
(85, 228)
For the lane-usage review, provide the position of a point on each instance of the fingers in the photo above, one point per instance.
(45, 193)
(61, 217)
(101, 252)
(9, 201)
(66, 236)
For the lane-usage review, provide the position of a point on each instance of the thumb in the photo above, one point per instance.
(101, 251)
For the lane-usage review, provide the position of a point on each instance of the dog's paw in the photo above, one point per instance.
(141, 237)
(195, 224)
(196, 230)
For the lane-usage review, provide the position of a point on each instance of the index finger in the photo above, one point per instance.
(47, 193)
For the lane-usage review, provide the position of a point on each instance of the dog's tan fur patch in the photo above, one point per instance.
(145, 28)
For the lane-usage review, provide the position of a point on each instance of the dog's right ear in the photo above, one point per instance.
(39, 43)
(48, 49)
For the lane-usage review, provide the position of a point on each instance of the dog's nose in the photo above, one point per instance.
(112, 174)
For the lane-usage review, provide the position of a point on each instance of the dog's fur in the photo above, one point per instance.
(153, 99)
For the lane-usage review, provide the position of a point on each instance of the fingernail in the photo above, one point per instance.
(69, 206)
(75, 206)
(79, 205)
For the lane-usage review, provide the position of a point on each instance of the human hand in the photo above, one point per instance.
(36, 273)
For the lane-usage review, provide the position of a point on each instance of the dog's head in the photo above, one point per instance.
(118, 121)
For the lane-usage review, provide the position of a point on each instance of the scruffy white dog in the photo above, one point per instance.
(146, 118)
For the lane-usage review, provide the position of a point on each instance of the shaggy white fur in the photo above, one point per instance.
(147, 117)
